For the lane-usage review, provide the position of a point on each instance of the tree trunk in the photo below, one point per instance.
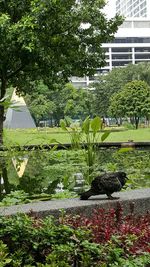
(132, 121)
(136, 122)
(3, 167)
(147, 120)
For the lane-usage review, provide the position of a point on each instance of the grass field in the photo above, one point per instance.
(44, 136)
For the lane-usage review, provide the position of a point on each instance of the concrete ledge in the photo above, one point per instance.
(140, 198)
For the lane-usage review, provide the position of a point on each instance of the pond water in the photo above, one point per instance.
(135, 162)
(38, 172)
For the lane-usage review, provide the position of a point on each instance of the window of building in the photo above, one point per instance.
(120, 63)
(126, 24)
(142, 56)
(141, 24)
(142, 49)
(121, 49)
(132, 40)
(121, 56)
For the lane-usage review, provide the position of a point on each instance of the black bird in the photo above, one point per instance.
(107, 183)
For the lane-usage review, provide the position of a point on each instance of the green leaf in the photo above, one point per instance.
(125, 149)
(96, 124)
(105, 135)
(53, 140)
(86, 126)
(63, 125)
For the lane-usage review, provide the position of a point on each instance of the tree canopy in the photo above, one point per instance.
(133, 101)
(51, 40)
(114, 81)
(63, 101)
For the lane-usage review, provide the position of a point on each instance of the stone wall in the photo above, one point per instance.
(140, 199)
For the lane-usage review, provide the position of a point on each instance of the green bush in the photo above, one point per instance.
(28, 241)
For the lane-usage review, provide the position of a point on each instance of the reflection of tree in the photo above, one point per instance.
(5, 186)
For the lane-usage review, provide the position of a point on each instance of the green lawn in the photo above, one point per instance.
(44, 136)
(142, 134)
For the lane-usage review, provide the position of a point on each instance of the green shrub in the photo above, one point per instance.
(107, 239)
(4, 255)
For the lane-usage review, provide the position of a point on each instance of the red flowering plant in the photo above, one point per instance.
(131, 232)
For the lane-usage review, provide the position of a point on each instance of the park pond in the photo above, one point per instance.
(65, 173)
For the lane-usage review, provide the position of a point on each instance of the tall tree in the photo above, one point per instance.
(132, 102)
(50, 39)
(61, 102)
(41, 108)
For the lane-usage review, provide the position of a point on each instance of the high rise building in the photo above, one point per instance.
(132, 8)
(131, 44)
(132, 40)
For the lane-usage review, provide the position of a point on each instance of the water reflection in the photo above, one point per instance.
(46, 170)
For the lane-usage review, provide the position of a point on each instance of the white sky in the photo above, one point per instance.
(110, 8)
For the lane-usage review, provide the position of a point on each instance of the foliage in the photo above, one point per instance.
(136, 163)
(86, 137)
(48, 41)
(107, 239)
(63, 101)
(142, 261)
(41, 107)
(34, 38)
(64, 194)
(20, 197)
(43, 172)
(36, 240)
(132, 101)
(90, 129)
(15, 198)
(46, 169)
(4, 258)
(114, 81)
(129, 233)
(78, 103)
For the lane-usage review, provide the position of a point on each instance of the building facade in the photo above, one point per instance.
(131, 44)
(132, 8)
(132, 40)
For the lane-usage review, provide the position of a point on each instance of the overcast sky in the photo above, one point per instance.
(110, 8)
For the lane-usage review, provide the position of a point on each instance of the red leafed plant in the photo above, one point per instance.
(133, 231)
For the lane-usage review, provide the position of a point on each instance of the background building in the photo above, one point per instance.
(132, 40)
(131, 44)
(132, 8)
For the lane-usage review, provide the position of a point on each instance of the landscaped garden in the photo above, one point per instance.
(44, 44)
(107, 239)
(51, 173)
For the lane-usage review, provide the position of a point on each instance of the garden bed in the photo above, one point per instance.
(106, 239)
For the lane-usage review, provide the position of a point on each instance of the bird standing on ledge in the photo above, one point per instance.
(107, 183)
